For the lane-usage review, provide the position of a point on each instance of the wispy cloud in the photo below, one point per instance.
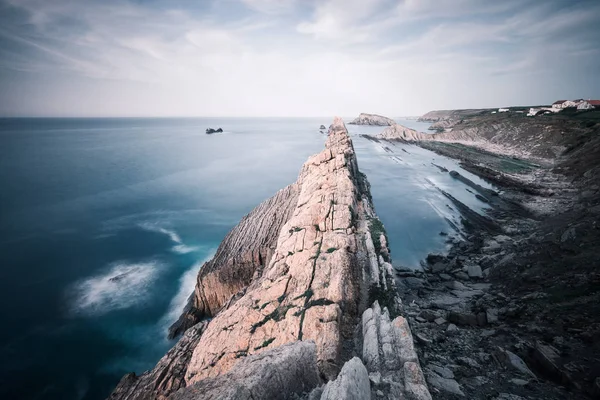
(293, 57)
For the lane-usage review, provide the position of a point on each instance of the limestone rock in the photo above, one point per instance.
(351, 384)
(388, 348)
(278, 373)
(249, 245)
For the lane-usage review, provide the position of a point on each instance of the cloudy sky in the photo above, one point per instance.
(292, 57)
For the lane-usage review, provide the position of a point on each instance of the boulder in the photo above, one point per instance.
(444, 384)
(474, 271)
(352, 383)
(278, 373)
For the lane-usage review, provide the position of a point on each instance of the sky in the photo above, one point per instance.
(295, 58)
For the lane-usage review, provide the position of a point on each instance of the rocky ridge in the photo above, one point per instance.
(301, 291)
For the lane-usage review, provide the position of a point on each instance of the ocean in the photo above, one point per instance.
(104, 224)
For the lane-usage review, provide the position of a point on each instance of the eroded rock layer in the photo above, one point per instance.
(248, 246)
(288, 289)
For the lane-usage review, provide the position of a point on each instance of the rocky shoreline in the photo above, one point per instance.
(512, 311)
(303, 302)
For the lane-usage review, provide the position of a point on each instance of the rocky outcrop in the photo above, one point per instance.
(291, 286)
(279, 373)
(247, 247)
(372, 119)
(400, 132)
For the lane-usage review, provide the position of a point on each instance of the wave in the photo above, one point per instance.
(180, 247)
(124, 285)
(187, 282)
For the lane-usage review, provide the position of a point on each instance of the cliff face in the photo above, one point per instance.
(295, 292)
(248, 247)
(372, 119)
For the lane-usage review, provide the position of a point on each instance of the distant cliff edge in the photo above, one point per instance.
(302, 298)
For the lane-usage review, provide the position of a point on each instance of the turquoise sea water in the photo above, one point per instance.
(105, 222)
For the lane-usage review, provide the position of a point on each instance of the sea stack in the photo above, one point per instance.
(302, 299)
(372, 119)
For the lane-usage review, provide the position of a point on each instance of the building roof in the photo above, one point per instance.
(559, 102)
(595, 103)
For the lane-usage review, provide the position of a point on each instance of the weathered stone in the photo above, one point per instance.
(467, 362)
(474, 271)
(439, 267)
(429, 315)
(451, 328)
(442, 371)
(246, 247)
(445, 277)
(444, 384)
(278, 373)
(414, 382)
(516, 362)
(351, 384)
(455, 285)
(462, 276)
(491, 315)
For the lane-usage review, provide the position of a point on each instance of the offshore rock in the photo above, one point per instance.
(372, 119)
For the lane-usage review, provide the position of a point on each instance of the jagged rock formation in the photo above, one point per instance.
(372, 119)
(247, 247)
(301, 268)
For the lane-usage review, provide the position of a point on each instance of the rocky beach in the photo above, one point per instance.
(511, 312)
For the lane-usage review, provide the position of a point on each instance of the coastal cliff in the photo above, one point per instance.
(302, 299)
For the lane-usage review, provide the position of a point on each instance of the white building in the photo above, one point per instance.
(503, 110)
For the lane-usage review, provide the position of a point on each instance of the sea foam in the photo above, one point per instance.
(123, 285)
(187, 282)
(179, 247)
